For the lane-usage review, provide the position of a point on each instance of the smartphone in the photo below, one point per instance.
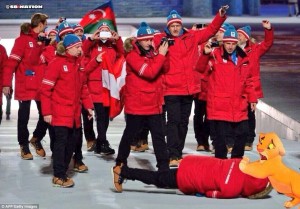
(105, 34)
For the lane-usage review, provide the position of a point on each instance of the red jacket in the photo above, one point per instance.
(48, 54)
(230, 87)
(63, 90)
(91, 50)
(3, 58)
(255, 51)
(180, 74)
(204, 74)
(24, 61)
(143, 85)
(216, 178)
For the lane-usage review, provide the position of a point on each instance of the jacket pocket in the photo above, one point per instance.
(31, 82)
(148, 97)
(244, 103)
(222, 102)
(63, 110)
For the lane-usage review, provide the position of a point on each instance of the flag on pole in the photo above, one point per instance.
(113, 80)
(104, 13)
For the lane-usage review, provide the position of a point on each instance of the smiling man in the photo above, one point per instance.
(230, 89)
(181, 79)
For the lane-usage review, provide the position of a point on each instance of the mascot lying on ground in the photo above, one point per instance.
(283, 179)
(209, 176)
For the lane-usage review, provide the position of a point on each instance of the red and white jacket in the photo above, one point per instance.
(24, 61)
(180, 74)
(48, 54)
(143, 85)
(64, 90)
(255, 52)
(230, 87)
(94, 79)
(3, 58)
(216, 178)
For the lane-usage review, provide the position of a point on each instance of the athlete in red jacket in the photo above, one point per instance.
(3, 58)
(63, 92)
(255, 51)
(212, 177)
(181, 79)
(24, 62)
(230, 89)
(143, 96)
(108, 41)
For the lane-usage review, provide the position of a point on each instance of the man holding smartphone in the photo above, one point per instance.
(110, 43)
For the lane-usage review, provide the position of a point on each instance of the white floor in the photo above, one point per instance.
(29, 182)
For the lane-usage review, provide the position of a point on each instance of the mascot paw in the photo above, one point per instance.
(289, 204)
(244, 162)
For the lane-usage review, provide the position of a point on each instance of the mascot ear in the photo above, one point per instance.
(262, 135)
(278, 143)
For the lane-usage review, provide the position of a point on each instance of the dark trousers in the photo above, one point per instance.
(51, 136)
(64, 144)
(78, 147)
(23, 118)
(133, 124)
(222, 130)
(88, 126)
(178, 112)
(161, 179)
(102, 119)
(8, 104)
(201, 125)
(141, 136)
(252, 126)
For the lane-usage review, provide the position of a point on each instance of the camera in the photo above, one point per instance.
(44, 39)
(198, 26)
(214, 44)
(170, 41)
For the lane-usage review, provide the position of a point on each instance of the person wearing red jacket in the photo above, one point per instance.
(63, 90)
(200, 123)
(230, 89)
(143, 97)
(48, 53)
(24, 62)
(181, 79)
(108, 41)
(255, 51)
(3, 58)
(200, 175)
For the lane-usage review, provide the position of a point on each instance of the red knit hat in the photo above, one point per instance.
(253, 185)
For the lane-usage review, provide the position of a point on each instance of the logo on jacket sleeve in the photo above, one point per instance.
(65, 67)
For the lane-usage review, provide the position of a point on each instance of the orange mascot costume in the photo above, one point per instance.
(283, 179)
